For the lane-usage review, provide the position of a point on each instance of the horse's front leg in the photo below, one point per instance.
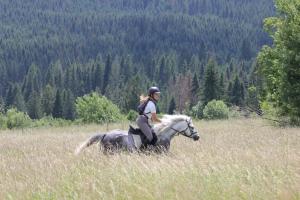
(163, 146)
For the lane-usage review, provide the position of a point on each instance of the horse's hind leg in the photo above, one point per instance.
(105, 147)
(101, 147)
(108, 149)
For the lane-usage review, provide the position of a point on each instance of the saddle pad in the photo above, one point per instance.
(137, 141)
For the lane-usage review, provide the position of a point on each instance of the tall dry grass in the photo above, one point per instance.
(236, 159)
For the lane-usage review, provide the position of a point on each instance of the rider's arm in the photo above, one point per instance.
(155, 118)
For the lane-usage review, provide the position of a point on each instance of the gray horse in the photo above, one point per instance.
(134, 140)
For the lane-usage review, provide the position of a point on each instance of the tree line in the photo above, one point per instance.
(194, 50)
(119, 79)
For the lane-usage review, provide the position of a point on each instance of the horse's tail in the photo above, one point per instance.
(92, 140)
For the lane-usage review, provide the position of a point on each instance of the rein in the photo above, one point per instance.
(177, 132)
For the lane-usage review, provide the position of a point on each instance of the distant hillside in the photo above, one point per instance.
(44, 31)
(139, 32)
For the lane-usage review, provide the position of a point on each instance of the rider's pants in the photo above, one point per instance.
(143, 124)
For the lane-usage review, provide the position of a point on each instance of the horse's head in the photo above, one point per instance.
(186, 128)
(190, 130)
(180, 124)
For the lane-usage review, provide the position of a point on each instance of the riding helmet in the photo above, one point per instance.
(153, 90)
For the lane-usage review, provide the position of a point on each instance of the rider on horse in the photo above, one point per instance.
(147, 114)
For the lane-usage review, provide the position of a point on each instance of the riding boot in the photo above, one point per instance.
(154, 140)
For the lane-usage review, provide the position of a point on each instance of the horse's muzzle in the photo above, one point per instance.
(196, 137)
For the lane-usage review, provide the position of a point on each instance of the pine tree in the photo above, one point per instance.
(221, 87)
(172, 106)
(195, 63)
(242, 89)
(228, 73)
(162, 74)
(195, 90)
(123, 69)
(231, 67)
(9, 96)
(32, 81)
(132, 92)
(107, 72)
(55, 75)
(2, 105)
(14, 98)
(246, 52)
(126, 68)
(58, 106)
(210, 91)
(18, 101)
(202, 71)
(34, 106)
(3, 79)
(236, 97)
(98, 76)
(69, 105)
(184, 67)
(48, 98)
(229, 92)
(72, 80)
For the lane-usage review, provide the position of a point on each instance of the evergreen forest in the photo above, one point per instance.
(52, 52)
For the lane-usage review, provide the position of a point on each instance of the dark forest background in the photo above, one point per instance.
(195, 50)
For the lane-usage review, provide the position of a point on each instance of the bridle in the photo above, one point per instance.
(183, 132)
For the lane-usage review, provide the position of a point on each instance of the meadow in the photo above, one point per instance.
(234, 159)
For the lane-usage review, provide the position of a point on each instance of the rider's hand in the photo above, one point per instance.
(155, 118)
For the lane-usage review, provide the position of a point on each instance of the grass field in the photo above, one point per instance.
(235, 159)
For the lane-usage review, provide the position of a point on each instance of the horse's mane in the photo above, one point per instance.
(167, 122)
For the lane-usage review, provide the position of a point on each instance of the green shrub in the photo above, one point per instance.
(17, 119)
(197, 110)
(275, 114)
(132, 115)
(269, 109)
(50, 121)
(216, 110)
(93, 108)
(3, 121)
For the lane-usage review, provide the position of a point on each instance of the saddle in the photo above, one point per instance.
(135, 131)
(138, 132)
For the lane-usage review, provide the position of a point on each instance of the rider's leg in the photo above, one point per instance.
(154, 140)
(142, 123)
